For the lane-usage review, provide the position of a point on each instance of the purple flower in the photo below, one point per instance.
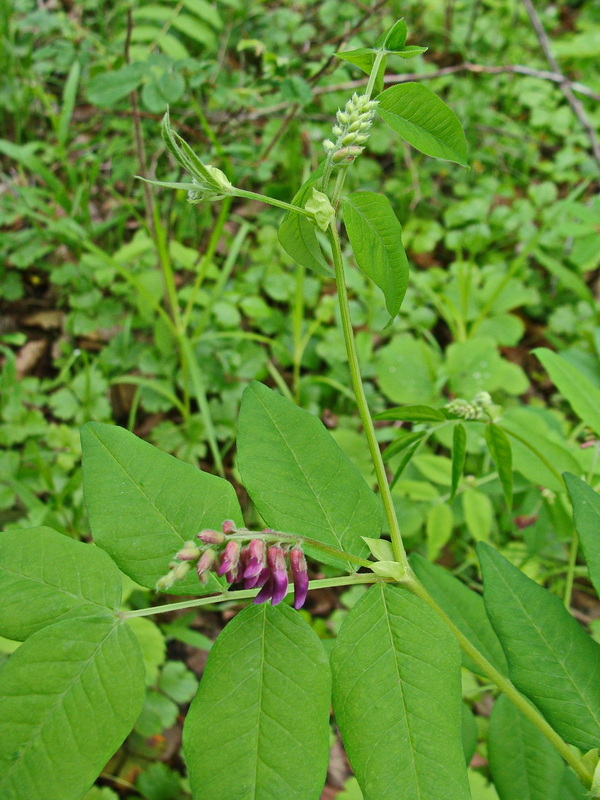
(258, 580)
(255, 557)
(277, 568)
(299, 576)
(229, 559)
(266, 593)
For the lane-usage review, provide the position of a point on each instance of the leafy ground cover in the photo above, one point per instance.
(123, 304)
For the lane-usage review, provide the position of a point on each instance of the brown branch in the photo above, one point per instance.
(564, 83)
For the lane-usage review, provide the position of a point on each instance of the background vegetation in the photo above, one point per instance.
(121, 303)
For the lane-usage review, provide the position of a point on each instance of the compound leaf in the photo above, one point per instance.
(258, 728)
(523, 763)
(397, 699)
(300, 480)
(425, 121)
(69, 696)
(143, 503)
(376, 238)
(45, 574)
(550, 657)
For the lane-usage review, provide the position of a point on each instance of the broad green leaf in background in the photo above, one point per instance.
(438, 528)
(152, 646)
(465, 608)
(45, 574)
(586, 514)
(459, 455)
(425, 121)
(299, 479)
(364, 59)
(523, 763)
(479, 513)
(69, 696)
(297, 234)
(108, 88)
(408, 370)
(500, 450)
(376, 238)
(550, 657)
(536, 457)
(579, 391)
(143, 504)
(397, 698)
(475, 366)
(258, 728)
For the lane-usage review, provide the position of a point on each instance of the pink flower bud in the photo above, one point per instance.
(258, 580)
(203, 567)
(211, 537)
(266, 592)
(229, 558)
(228, 526)
(299, 575)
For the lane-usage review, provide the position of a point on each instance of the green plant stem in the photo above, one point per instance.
(271, 201)
(373, 76)
(244, 594)
(297, 323)
(361, 401)
(505, 685)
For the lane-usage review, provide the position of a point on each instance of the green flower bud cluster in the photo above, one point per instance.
(352, 129)
(476, 409)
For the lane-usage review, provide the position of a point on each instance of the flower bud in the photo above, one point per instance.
(164, 584)
(228, 526)
(229, 558)
(181, 570)
(203, 567)
(189, 552)
(211, 537)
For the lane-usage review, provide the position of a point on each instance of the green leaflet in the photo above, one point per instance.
(425, 121)
(297, 234)
(469, 733)
(300, 480)
(376, 238)
(523, 763)
(258, 728)
(69, 696)
(465, 608)
(459, 455)
(500, 450)
(45, 574)
(413, 414)
(397, 699)
(550, 658)
(582, 395)
(143, 504)
(586, 513)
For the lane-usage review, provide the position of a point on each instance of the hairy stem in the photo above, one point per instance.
(245, 594)
(361, 401)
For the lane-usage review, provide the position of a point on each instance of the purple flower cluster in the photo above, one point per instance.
(257, 564)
